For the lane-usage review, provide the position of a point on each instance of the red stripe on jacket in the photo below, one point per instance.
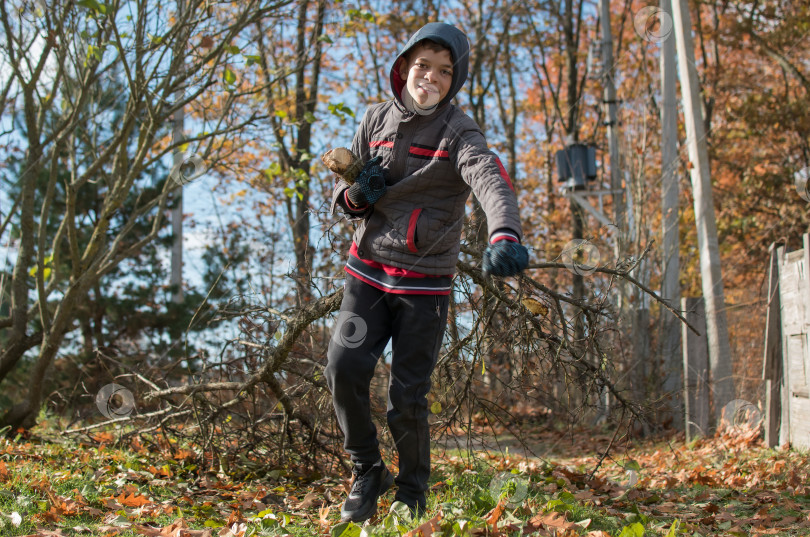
(392, 271)
(429, 152)
(504, 175)
(381, 143)
(411, 239)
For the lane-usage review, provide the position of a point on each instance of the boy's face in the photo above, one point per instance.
(428, 74)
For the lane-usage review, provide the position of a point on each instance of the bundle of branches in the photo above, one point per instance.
(514, 349)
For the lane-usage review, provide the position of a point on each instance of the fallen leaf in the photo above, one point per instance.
(551, 520)
(426, 529)
(493, 516)
(234, 530)
(323, 515)
(585, 495)
(52, 515)
(118, 521)
(178, 528)
(537, 308)
(109, 530)
(133, 501)
(668, 507)
(43, 532)
(711, 508)
(67, 507)
(308, 501)
(110, 503)
(708, 521)
(103, 437)
(149, 531)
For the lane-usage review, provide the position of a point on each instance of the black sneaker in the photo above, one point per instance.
(369, 484)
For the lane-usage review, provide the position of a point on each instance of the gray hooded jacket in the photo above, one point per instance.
(432, 163)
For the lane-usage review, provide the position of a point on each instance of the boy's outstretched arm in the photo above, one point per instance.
(483, 171)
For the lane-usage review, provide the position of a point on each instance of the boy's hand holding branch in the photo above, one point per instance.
(367, 180)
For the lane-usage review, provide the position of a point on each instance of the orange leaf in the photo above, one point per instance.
(426, 529)
(551, 520)
(133, 501)
(184, 454)
(323, 515)
(4, 475)
(103, 437)
(234, 518)
(149, 532)
(496, 513)
(164, 471)
(67, 507)
(52, 515)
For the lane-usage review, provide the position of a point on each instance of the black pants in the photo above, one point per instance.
(368, 319)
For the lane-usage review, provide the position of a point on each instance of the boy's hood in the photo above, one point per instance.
(444, 34)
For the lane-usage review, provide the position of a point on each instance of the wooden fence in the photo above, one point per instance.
(786, 368)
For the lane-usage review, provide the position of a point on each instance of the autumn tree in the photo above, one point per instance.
(59, 56)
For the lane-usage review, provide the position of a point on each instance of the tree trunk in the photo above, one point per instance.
(176, 276)
(24, 414)
(305, 105)
(19, 281)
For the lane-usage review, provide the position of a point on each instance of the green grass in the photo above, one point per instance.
(67, 486)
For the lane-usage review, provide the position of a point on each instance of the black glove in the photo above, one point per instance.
(369, 186)
(505, 258)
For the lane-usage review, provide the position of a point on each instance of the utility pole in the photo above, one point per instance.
(721, 381)
(610, 106)
(609, 101)
(670, 282)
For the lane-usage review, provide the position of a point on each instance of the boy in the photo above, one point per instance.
(423, 156)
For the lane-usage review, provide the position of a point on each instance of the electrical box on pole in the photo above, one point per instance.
(576, 165)
(576, 170)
